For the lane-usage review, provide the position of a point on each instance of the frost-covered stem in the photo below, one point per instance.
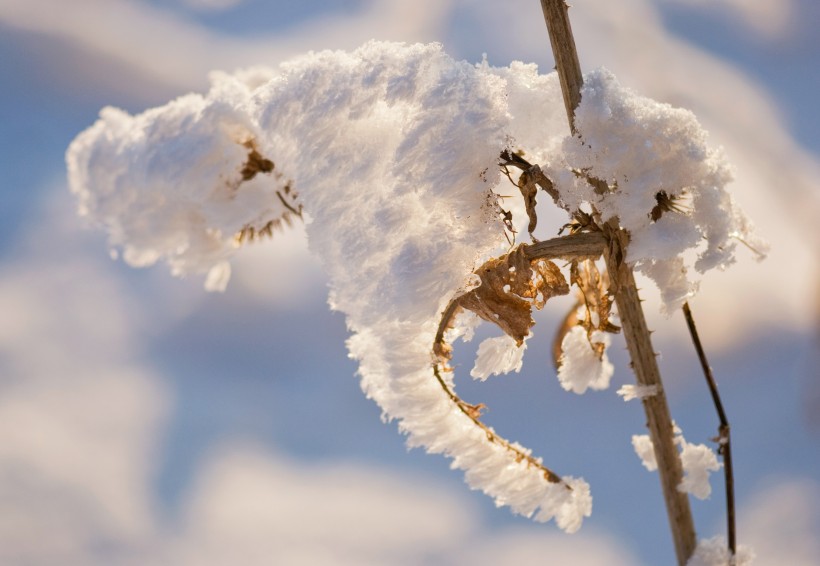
(724, 432)
(636, 333)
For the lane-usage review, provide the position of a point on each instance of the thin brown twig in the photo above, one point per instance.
(724, 438)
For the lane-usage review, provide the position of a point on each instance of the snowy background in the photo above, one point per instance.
(143, 420)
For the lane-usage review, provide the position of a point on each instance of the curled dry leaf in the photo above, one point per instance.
(529, 190)
(594, 294)
(531, 178)
(510, 286)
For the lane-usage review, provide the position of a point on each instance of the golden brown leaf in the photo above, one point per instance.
(510, 287)
(529, 190)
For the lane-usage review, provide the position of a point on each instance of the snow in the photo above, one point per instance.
(630, 392)
(642, 148)
(698, 461)
(393, 151)
(715, 552)
(580, 367)
(498, 355)
(645, 451)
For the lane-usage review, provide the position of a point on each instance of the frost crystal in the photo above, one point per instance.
(393, 150)
(497, 356)
(715, 552)
(645, 451)
(581, 367)
(698, 461)
(630, 392)
(177, 182)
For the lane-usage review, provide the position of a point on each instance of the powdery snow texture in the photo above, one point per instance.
(581, 368)
(497, 356)
(698, 461)
(715, 552)
(393, 151)
(641, 148)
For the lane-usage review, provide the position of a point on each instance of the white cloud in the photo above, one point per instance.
(212, 5)
(771, 19)
(168, 49)
(78, 421)
(280, 271)
(257, 508)
(782, 523)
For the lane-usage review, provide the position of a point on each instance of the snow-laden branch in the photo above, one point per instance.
(392, 152)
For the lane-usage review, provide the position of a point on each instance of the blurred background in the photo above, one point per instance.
(145, 421)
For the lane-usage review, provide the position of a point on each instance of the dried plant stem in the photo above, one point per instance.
(724, 432)
(565, 55)
(631, 314)
(658, 417)
(574, 246)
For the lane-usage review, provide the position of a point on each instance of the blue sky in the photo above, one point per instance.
(143, 420)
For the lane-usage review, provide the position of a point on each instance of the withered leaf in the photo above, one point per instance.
(594, 295)
(256, 162)
(529, 190)
(510, 286)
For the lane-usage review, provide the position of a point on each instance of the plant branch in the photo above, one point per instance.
(441, 352)
(628, 302)
(565, 54)
(574, 246)
(724, 432)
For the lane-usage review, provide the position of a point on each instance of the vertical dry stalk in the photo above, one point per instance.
(632, 317)
(724, 431)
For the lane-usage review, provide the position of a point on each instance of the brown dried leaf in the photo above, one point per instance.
(594, 294)
(256, 162)
(548, 282)
(510, 287)
(529, 190)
